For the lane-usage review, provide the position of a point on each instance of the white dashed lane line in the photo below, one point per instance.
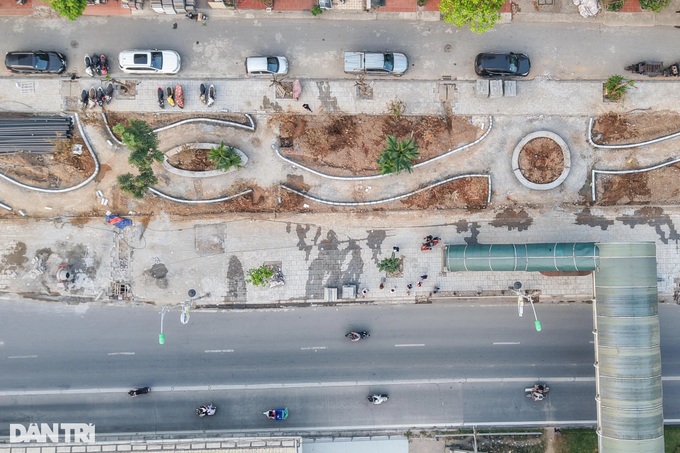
(22, 357)
(313, 348)
(505, 343)
(121, 353)
(419, 345)
(217, 351)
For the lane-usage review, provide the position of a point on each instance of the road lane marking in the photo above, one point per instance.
(121, 353)
(217, 351)
(313, 348)
(22, 357)
(414, 345)
(501, 343)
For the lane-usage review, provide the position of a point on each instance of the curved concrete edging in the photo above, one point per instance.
(249, 127)
(277, 149)
(67, 189)
(199, 174)
(387, 200)
(628, 145)
(185, 201)
(594, 173)
(565, 154)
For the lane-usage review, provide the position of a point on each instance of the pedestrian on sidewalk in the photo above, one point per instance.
(409, 286)
(423, 277)
(395, 249)
(307, 107)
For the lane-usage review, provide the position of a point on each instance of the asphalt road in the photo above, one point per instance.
(315, 48)
(444, 364)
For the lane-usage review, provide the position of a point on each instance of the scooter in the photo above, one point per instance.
(89, 66)
(103, 64)
(179, 96)
(108, 93)
(209, 410)
(170, 93)
(161, 98)
(211, 95)
(377, 398)
(204, 94)
(96, 64)
(356, 336)
(139, 391)
(92, 95)
(101, 95)
(84, 98)
(538, 392)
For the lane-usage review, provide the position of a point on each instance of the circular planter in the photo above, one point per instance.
(565, 154)
(198, 174)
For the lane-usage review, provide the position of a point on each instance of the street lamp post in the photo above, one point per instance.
(161, 336)
(520, 304)
(183, 317)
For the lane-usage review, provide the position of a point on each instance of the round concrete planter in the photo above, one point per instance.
(199, 174)
(565, 153)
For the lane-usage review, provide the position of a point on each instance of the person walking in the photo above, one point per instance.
(307, 107)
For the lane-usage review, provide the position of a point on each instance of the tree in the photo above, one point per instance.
(397, 156)
(478, 15)
(224, 157)
(390, 265)
(259, 276)
(137, 185)
(654, 5)
(142, 141)
(70, 9)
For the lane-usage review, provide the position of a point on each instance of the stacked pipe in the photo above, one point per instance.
(33, 134)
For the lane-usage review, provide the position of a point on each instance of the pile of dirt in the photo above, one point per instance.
(618, 129)
(350, 145)
(656, 186)
(541, 160)
(192, 159)
(50, 171)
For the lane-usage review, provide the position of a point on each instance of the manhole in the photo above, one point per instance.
(448, 48)
(74, 44)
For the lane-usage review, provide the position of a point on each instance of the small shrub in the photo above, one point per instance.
(316, 10)
(390, 265)
(616, 87)
(421, 2)
(396, 108)
(397, 156)
(615, 5)
(260, 276)
(224, 157)
(654, 5)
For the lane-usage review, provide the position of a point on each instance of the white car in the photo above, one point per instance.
(266, 65)
(149, 61)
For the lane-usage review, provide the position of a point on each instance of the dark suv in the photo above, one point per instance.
(35, 61)
(502, 65)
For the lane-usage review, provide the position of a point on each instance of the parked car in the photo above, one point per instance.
(502, 65)
(266, 66)
(35, 61)
(149, 61)
(376, 63)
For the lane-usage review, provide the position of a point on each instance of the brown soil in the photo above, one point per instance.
(541, 160)
(50, 171)
(617, 129)
(192, 159)
(656, 186)
(350, 145)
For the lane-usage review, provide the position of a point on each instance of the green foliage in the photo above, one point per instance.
(316, 10)
(224, 157)
(70, 9)
(140, 138)
(259, 276)
(396, 108)
(576, 441)
(421, 2)
(671, 436)
(397, 156)
(616, 87)
(478, 15)
(390, 265)
(615, 5)
(654, 5)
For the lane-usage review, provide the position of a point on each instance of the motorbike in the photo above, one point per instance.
(277, 415)
(108, 93)
(101, 95)
(196, 16)
(170, 94)
(92, 95)
(161, 98)
(356, 336)
(96, 64)
(139, 391)
(204, 94)
(84, 98)
(206, 409)
(103, 64)
(297, 89)
(211, 95)
(538, 392)
(377, 398)
(89, 66)
(179, 96)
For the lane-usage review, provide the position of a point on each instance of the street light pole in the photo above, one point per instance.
(520, 304)
(161, 336)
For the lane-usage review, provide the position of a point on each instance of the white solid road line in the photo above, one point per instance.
(314, 348)
(217, 351)
(22, 357)
(500, 343)
(420, 345)
(121, 353)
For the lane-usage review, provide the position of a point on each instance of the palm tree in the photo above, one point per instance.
(224, 157)
(397, 156)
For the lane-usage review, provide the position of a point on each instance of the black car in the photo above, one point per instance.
(502, 65)
(36, 61)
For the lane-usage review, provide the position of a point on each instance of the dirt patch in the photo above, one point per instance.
(656, 186)
(350, 145)
(50, 171)
(618, 129)
(541, 160)
(192, 159)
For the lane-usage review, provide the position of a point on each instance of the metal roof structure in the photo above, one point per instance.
(626, 328)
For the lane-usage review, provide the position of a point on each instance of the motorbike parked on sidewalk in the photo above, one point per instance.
(161, 98)
(89, 66)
